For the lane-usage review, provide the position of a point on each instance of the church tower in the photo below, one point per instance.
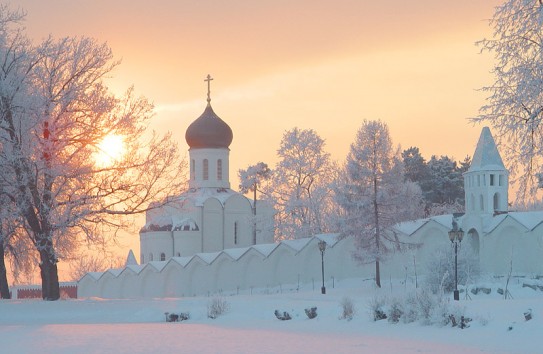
(486, 183)
(209, 138)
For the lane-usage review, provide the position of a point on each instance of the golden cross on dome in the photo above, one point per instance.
(208, 80)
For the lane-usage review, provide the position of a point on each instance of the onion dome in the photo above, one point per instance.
(209, 131)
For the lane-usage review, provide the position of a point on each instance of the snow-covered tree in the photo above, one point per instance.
(514, 105)
(299, 185)
(251, 180)
(375, 195)
(55, 111)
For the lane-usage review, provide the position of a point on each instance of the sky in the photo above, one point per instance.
(278, 64)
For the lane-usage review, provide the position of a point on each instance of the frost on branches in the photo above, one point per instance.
(514, 105)
(374, 194)
(55, 110)
(299, 187)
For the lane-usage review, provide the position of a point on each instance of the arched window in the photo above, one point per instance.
(206, 169)
(496, 201)
(235, 232)
(150, 257)
(481, 203)
(219, 169)
(162, 257)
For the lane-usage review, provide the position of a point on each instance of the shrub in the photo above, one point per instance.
(348, 308)
(440, 268)
(377, 308)
(217, 307)
(395, 311)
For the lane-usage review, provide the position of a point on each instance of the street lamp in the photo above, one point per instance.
(456, 235)
(322, 248)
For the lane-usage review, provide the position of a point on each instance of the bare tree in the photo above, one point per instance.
(514, 106)
(55, 112)
(374, 194)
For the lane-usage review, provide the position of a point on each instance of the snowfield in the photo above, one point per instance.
(250, 326)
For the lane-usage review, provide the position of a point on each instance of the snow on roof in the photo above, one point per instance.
(486, 156)
(158, 265)
(330, 239)
(182, 261)
(265, 248)
(94, 275)
(136, 267)
(208, 257)
(298, 244)
(529, 219)
(236, 253)
(200, 195)
(116, 271)
(445, 220)
(410, 227)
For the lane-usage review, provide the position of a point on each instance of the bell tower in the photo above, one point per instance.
(486, 183)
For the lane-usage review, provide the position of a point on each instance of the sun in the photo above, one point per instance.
(110, 150)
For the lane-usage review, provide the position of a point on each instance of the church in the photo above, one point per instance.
(209, 216)
(207, 243)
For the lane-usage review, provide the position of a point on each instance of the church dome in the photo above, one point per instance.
(209, 131)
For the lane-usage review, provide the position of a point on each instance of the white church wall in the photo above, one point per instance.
(187, 243)
(213, 224)
(212, 156)
(238, 228)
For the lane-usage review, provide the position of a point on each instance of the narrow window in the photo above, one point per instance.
(206, 169)
(192, 168)
(496, 201)
(162, 257)
(478, 181)
(219, 170)
(491, 180)
(501, 178)
(235, 232)
(178, 254)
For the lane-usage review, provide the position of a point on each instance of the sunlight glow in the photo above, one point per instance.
(110, 150)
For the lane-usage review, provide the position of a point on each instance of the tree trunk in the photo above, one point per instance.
(4, 287)
(50, 287)
(377, 233)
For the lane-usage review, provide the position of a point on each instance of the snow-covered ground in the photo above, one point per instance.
(250, 326)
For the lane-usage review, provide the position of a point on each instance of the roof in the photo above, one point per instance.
(209, 131)
(486, 156)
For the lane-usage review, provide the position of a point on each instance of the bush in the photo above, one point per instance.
(440, 268)
(347, 306)
(217, 307)
(421, 305)
(395, 311)
(377, 308)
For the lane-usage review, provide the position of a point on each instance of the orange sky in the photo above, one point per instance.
(279, 64)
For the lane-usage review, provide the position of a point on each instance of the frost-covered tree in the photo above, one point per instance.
(55, 111)
(514, 105)
(251, 180)
(375, 195)
(299, 185)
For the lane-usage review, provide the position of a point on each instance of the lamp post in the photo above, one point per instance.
(456, 235)
(322, 248)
